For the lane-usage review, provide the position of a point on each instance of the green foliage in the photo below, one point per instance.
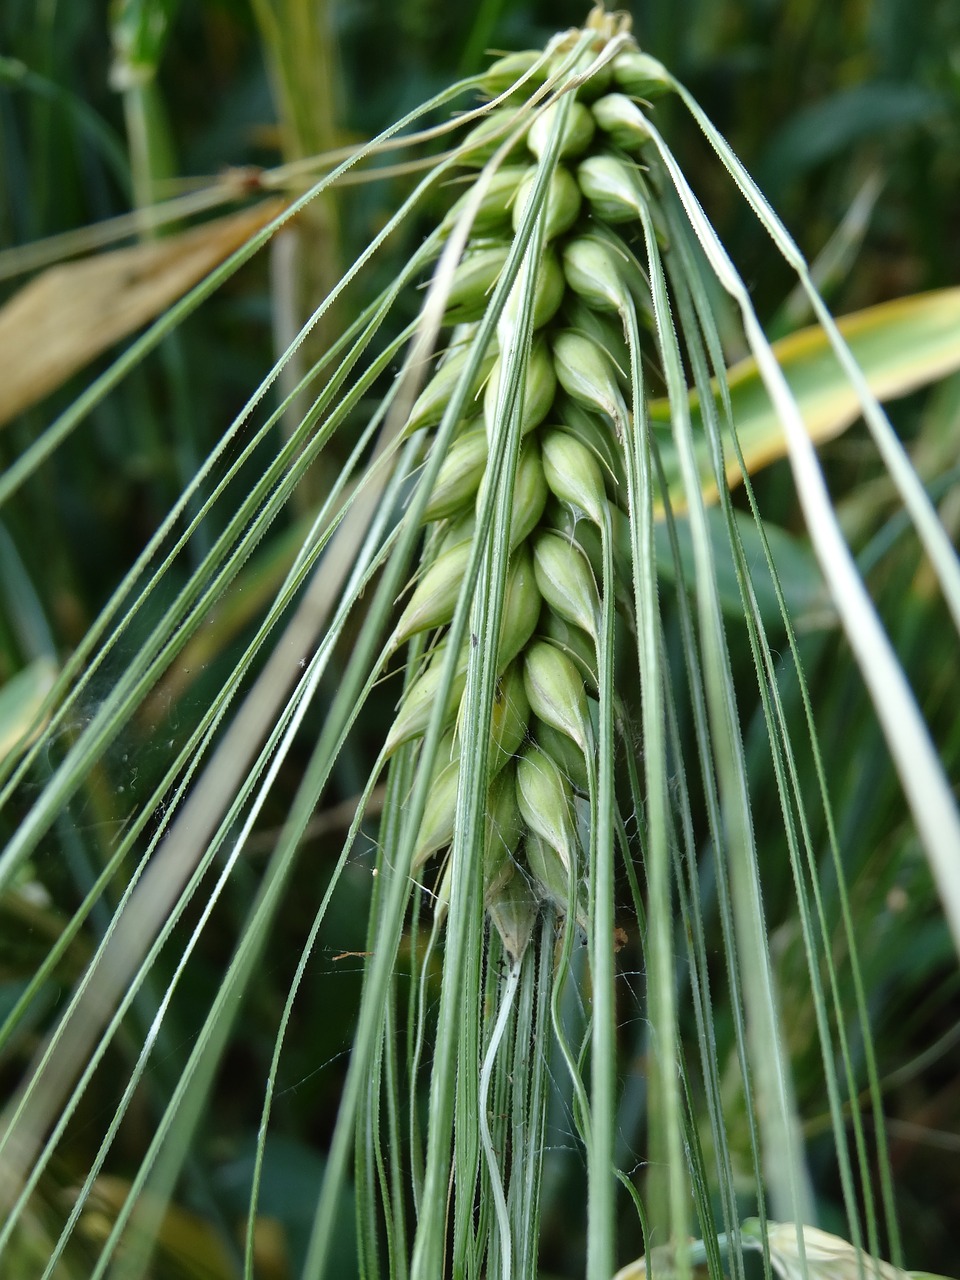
(650, 871)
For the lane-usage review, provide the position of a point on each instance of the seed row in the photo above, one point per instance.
(566, 486)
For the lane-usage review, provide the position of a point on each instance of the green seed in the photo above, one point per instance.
(435, 396)
(546, 806)
(594, 270)
(592, 430)
(490, 134)
(448, 749)
(521, 606)
(539, 388)
(605, 330)
(640, 75)
(504, 824)
(585, 536)
(586, 373)
(569, 524)
(611, 188)
(504, 830)
(573, 473)
(577, 646)
(493, 213)
(555, 691)
(417, 706)
(549, 874)
(529, 495)
(458, 530)
(473, 282)
(597, 84)
(505, 72)
(459, 477)
(562, 203)
(623, 121)
(551, 877)
(510, 717)
(632, 277)
(548, 293)
(439, 814)
(548, 290)
(435, 596)
(564, 753)
(566, 581)
(577, 133)
(513, 913)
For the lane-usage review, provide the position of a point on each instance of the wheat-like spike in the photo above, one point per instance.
(572, 419)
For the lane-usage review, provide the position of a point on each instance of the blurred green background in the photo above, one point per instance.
(847, 114)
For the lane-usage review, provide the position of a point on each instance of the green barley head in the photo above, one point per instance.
(574, 302)
(519, 556)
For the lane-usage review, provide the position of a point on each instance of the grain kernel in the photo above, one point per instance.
(546, 806)
(586, 373)
(539, 388)
(555, 691)
(490, 134)
(640, 75)
(459, 476)
(505, 72)
(522, 604)
(513, 912)
(504, 831)
(611, 188)
(510, 717)
(564, 752)
(473, 280)
(593, 270)
(623, 121)
(577, 133)
(562, 202)
(439, 814)
(566, 581)
(417, 706)
(429, 406)
(435, 596)
(573, 474)
(493, 212)
(529, 495)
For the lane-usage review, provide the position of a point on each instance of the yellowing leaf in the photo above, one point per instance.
(899, 345)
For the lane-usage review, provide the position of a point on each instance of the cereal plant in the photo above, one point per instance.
(527, 599)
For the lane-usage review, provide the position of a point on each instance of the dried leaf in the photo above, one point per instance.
(65, 317)
(186, 1240)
